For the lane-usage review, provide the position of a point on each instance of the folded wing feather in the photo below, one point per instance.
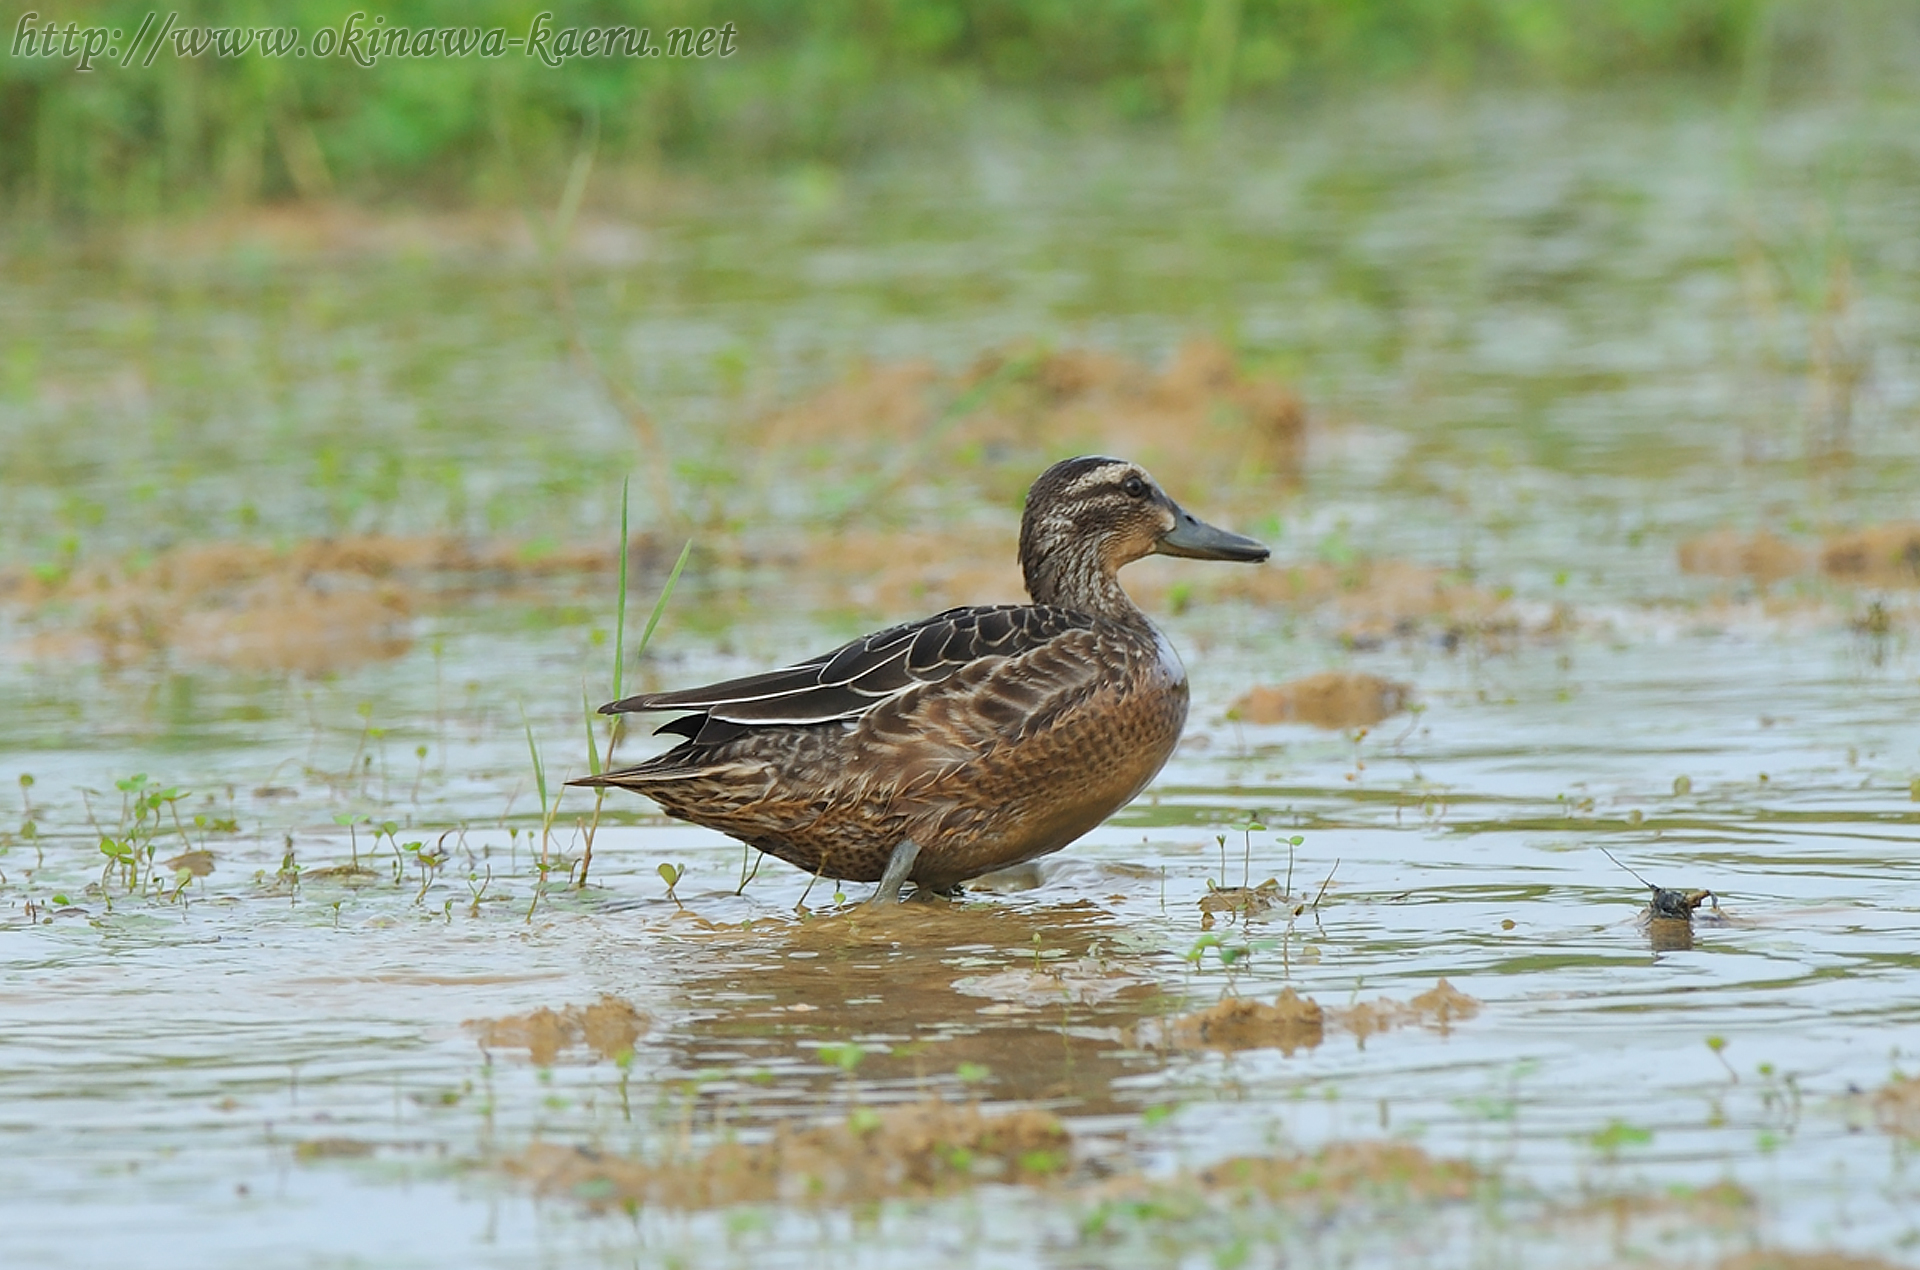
(856, 677)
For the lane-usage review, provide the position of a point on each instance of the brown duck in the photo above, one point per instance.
(969, 741)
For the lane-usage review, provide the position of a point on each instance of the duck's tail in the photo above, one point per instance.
(680, 764)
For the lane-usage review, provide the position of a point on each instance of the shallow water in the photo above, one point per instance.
(1542, 340)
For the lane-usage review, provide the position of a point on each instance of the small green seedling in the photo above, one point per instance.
(671, 875)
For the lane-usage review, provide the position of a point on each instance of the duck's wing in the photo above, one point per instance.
(862, 675)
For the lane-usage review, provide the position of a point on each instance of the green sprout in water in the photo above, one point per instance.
(671, 875)
(351, 819)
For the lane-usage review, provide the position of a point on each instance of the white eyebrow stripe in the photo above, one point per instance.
(1105, 474)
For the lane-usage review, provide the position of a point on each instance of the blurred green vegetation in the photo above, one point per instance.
(813, 81)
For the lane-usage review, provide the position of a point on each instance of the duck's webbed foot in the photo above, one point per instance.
(953, 892)
(888, 892)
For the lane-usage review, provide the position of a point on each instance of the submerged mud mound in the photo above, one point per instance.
(926, 1148)
(1291, 1023)
(1294, 1022)
(1345, 1170)
(608, 1027)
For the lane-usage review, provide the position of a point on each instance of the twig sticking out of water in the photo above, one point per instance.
(1324, 885)
(1636, 877)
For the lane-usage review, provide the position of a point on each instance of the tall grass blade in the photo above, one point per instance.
(593, 746)
(620, 617)
(666, 593)
(539, 772)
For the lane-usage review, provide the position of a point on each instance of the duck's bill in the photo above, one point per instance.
(1197, 540)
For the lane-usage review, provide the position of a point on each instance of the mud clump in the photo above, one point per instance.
(1880, 555)
(608, 1027)
(1344, 1170)
(1726, 553)
(1294, 1022)
(1330, 699)
(1438, 1008)
(926, 1148)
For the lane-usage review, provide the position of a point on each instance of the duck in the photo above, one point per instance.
(980, 738)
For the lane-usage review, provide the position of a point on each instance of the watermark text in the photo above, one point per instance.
(359, 39)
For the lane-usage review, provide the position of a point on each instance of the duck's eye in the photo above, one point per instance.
(1134, 487)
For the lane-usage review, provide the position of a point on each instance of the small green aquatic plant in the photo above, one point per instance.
(671, 875)
(429, 863)
(477, 885)
(131, 847)
(351, 820)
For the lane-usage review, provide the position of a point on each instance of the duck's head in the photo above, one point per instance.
(1087, 517)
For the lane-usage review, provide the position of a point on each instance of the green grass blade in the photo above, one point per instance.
(666, 593)
(593, 747)
(620, 618)
(539, 772)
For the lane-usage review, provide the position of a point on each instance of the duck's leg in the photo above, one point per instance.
(888, 892)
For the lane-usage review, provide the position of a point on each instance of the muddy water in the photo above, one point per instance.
(1542, 345)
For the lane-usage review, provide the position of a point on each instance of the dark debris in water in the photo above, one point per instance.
(1671, 913)
(1671, 905)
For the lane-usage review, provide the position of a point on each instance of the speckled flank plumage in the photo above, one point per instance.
(988, 735)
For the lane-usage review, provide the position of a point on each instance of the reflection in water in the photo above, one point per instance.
(1023, 1003)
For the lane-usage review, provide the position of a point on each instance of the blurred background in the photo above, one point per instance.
(305, 297)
